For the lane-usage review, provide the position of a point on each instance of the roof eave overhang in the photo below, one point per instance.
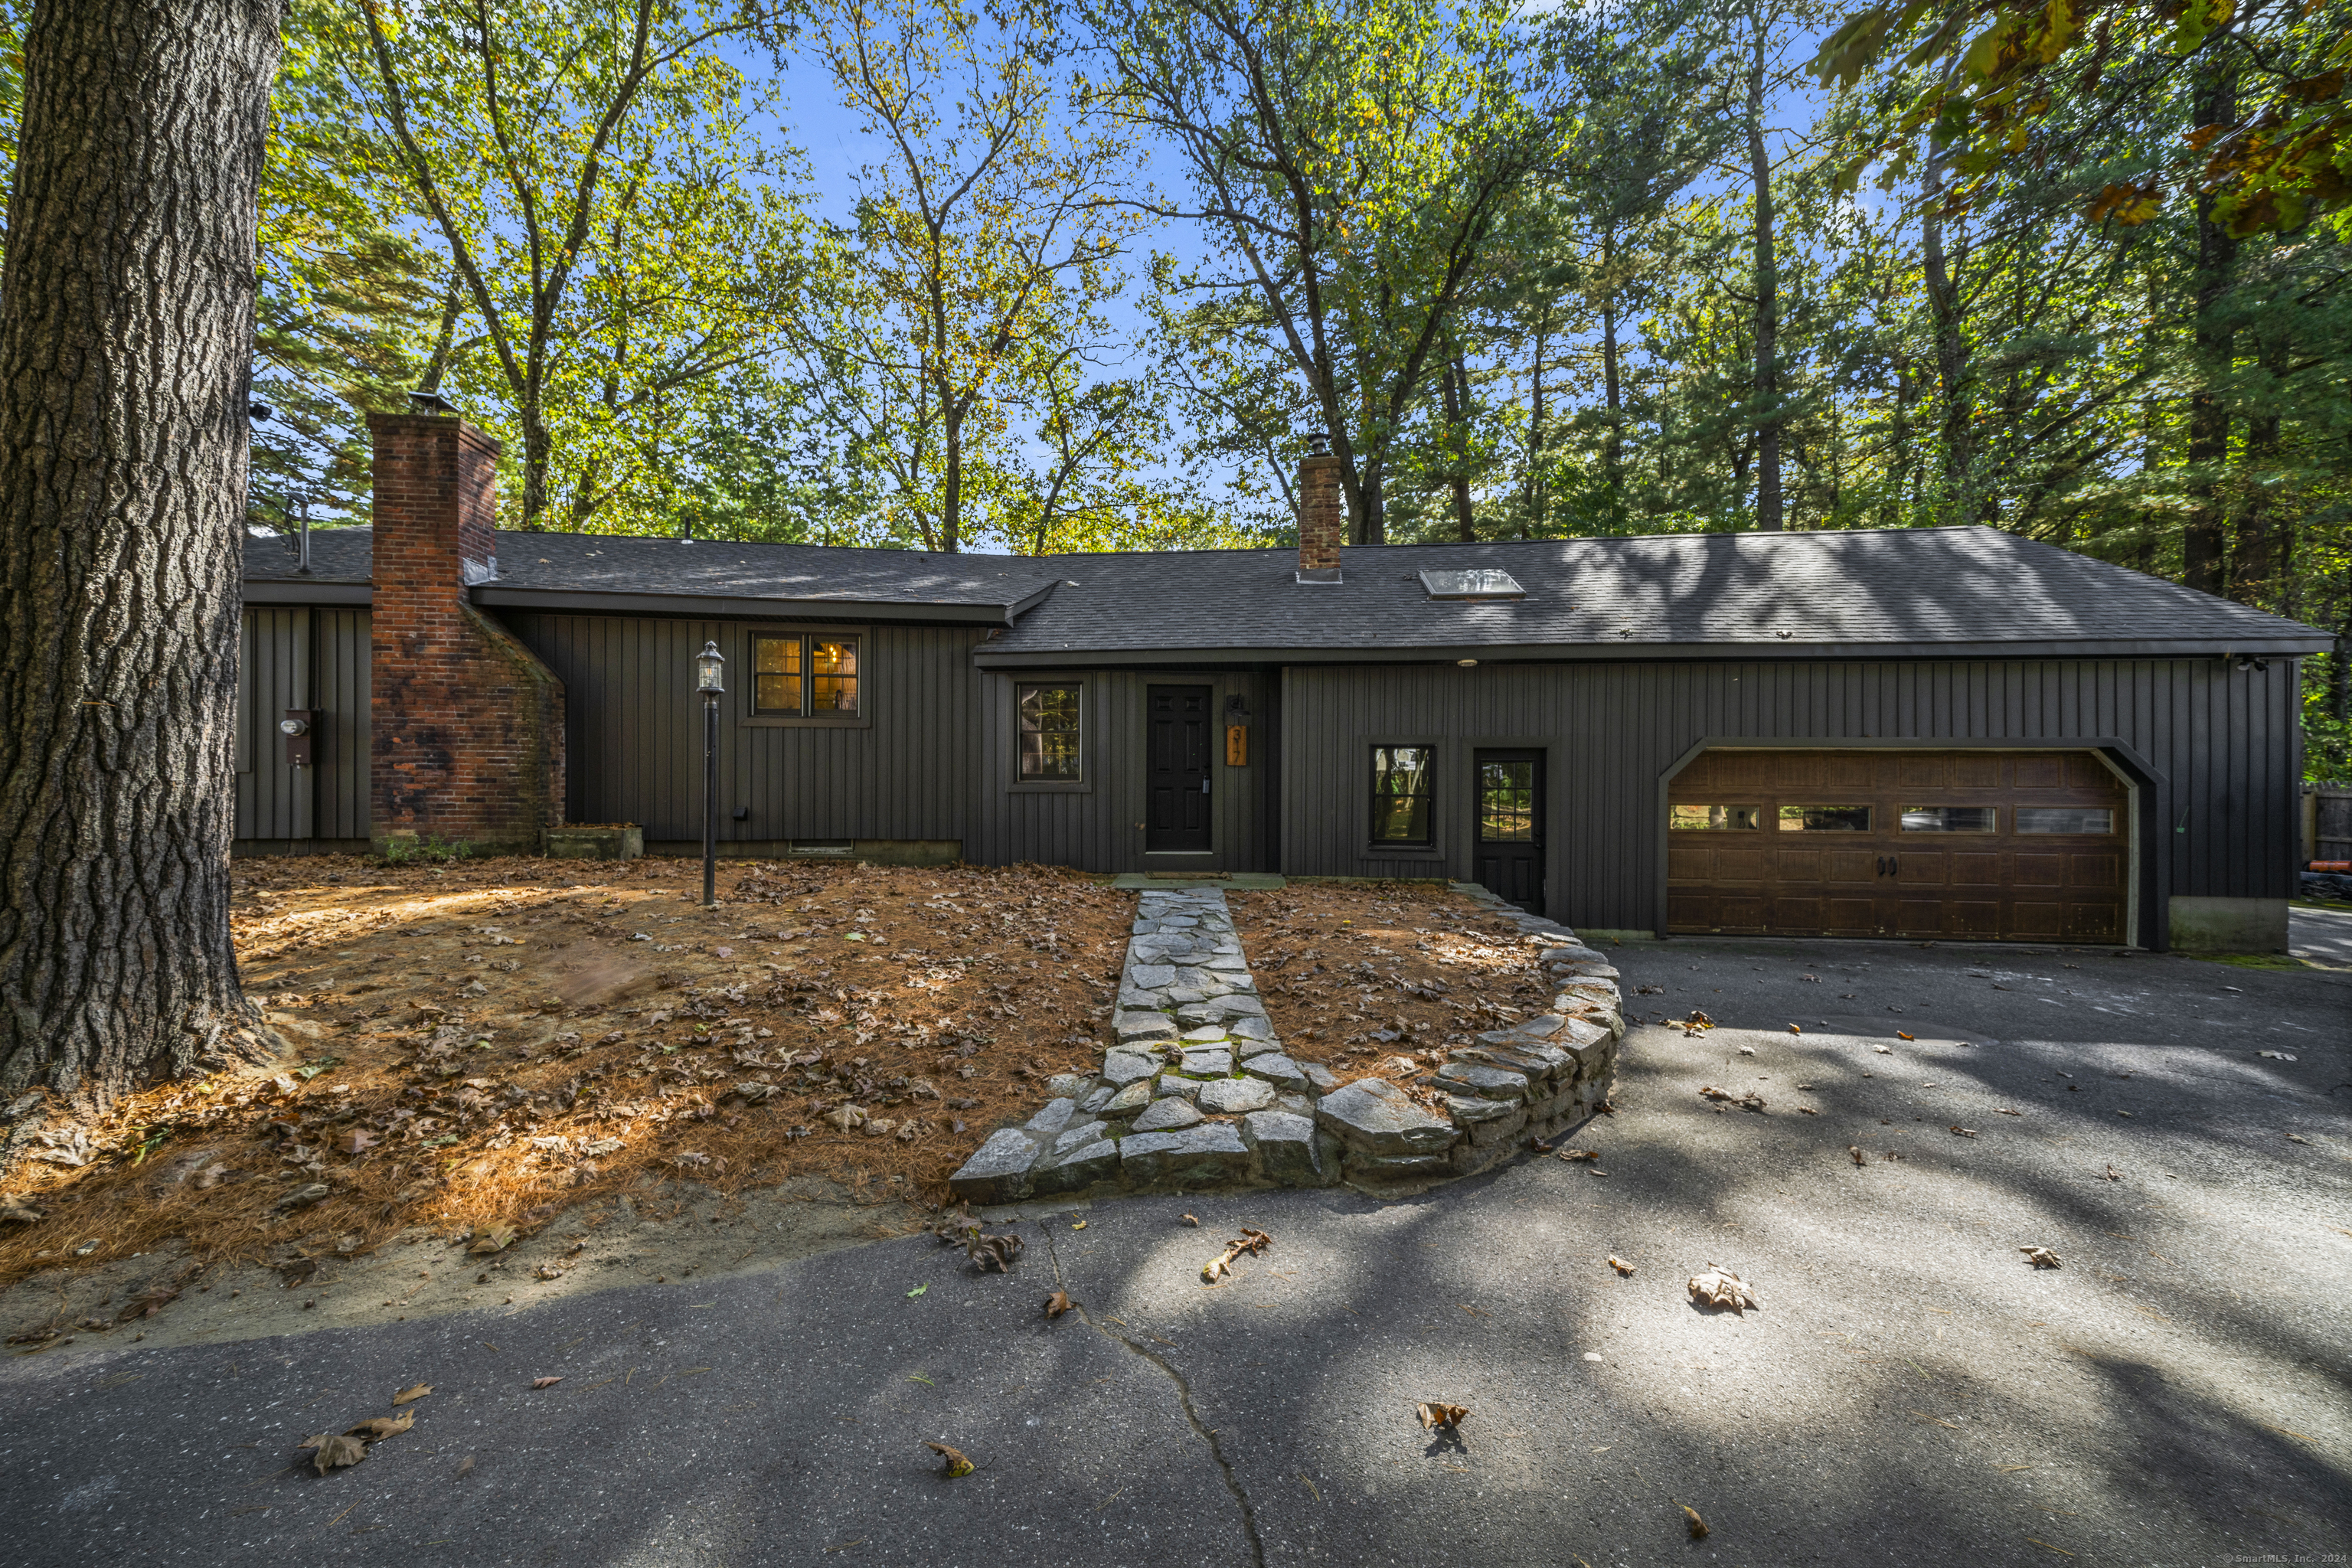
(282, 591)
(995, 658)
(492, 596)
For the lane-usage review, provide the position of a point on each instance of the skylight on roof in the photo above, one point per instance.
(1477, 582)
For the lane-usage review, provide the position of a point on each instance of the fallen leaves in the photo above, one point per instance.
(2040, 1257)
(1697, 1023)
(1193, 1222)
(1573, 1155)
(1434, 1415)
(333, 1451)
(1751, 1101)
(1855, 1150)
(464, 1467)
(1625, 1269)
(1249, 1243)
(17, 1211)
(1716, 1287)
(376, 1428)
(1795, 1030)
(545, 1382)
(1690, 1517)
(956, 1465)
(1964, 1131)
(413, 1392)
(2113, 1175)
(1058, 1303)
(1901, 1036)
(994, 1253)
(2277, 1055)
(488, 1238)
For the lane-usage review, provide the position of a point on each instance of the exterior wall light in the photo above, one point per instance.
(709, 669)
(1466, 663)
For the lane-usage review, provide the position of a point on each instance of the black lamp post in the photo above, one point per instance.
(710, 667)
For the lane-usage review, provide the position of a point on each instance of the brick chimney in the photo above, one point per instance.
(466, 723)
(1322, 514)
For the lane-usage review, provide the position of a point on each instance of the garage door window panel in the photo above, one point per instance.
(1825, 819)
(1715, 818)
(2074, 820)
(1952, 819)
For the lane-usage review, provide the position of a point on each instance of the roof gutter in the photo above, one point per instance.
(997, 658)
(491, 595)
(274, 592)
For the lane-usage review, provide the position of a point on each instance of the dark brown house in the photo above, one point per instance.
(1941, 733)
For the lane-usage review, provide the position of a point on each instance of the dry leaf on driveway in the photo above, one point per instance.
(1751, 1101)
(378, 1428)
(545, 1382)
(1572, 1156)
(1434, 1415)
(2040, 1257)
(1718, 1288)
(335, 1451)
(1855, 1150)
(1619, 1265)
(957, 1465)
(1250, 1242)
(464, 1467)
(1964, 1131)
(1058, 1303)
(414, 1391)
(1691, 1518)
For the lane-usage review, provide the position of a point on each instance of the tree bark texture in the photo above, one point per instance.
(2202, 538)
(1953, 371)
(126, 330)
(1768, 302)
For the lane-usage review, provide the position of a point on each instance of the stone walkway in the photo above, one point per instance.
(1195, 1090)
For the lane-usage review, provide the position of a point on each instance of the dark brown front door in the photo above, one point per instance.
(1177, 772)
(1995, 845)
(1510, 826)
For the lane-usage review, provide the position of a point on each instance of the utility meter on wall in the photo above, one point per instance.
(295, 728)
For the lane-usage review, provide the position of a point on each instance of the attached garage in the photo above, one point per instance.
(1989, 845)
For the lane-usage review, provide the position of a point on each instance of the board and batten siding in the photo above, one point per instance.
(633, 742)
(2214, 750)
(1098, 826)
(302, 657)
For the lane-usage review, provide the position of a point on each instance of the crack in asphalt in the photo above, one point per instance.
(1207, 1433)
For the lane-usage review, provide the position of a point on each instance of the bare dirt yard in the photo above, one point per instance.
(484, 1047)
(1377, 979)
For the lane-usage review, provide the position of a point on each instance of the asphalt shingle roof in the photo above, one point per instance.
(627, 563)
(1921, 587)
(1910, 586)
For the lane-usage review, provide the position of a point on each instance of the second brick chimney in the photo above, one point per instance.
(1322, 515)
(466, 723)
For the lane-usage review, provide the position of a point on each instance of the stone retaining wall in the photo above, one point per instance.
(1195, 1089)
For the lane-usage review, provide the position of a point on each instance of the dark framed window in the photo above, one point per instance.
(1825, 819)
(1952, 819)
(1713, 818)
(810, 673)
(1052, 726)
(1400, 794)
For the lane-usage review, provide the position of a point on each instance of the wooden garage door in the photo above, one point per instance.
(1997, 845)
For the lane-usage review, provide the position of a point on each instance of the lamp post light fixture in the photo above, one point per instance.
(709, 672)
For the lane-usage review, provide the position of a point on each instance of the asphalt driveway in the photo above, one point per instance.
(1911, 1391)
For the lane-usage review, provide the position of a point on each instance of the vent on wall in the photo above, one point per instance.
(1477, 582)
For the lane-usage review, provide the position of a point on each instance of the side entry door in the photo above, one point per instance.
(1509, 860)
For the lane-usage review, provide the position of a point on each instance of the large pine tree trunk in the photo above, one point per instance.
(1768, 302)
(126, 328)
(2202, 537)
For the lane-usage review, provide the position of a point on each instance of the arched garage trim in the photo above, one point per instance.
(2153, 809)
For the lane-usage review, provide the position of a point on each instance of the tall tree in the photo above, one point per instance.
(967, 287)
(126, 322)
(526, 134)
(1351, 160)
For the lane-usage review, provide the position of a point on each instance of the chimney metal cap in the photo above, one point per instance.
(430, 403)
(1318, 443)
